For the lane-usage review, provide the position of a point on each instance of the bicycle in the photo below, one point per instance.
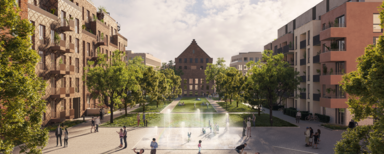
(311, 118)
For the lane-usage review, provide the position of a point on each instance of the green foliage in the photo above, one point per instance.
(331, 71)
(61, 61)
(64, 125)
(83, 26)
(102, 8)
(325, 70)
(366, 99)
(102, 36)
(102, 20)
(171, 65)
(233, 85)
(212, 74)
(236, 108)
(173, 83)
(274, 80)
(94, 18)
(21, 90)
(318, 71)
(53, 11)
(57, 38)
(305, 55)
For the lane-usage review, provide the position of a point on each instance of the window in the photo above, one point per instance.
(324, 26)
(53, 61)
(77, 26)
(207, 87)
(88, 102)
(340, 68)
(185, 81)
(375, 40)
(87, 17)
(180, 60)
(201, 67)
(376, 24)
(296, 42)
(256, 59)
(42, 33)
(196, 60)
(63, 22)
(82, 13)
(324, 89)
(41, 62)
(201, 60)
(185, 67)
(251, 59)
(201, 87)
(77, 85)
(340, 21)
(52, 36)
(88, 47)
(309, 73)
(193, 67)
(207, 60)
(77, 46)
(180, 67)
(190, 60)
(309, 55)
(196, 87)
(309, 107)
(190, 87)
(309, 37)
(190, 81)
(324, 48)
(77, 65)
(341, 44)
(201, 80)
(35, 2)
(196, 80)
(245, 59)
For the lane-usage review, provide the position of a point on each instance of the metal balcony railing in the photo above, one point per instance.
(316, 59)
(303, 44)
(316, 97)
(303, 78)
(302, 62)
(316, 78)
(316, 40)
(303, 95)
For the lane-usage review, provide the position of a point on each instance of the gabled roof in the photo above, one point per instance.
(193, 47)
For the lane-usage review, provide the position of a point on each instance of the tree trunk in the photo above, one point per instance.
(259, 109)
(112, 105)
(237, 103)
(125, 106)
(270, 112)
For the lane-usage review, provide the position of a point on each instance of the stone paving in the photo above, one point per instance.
(171, 106)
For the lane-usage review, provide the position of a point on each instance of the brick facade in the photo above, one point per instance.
(193, 61)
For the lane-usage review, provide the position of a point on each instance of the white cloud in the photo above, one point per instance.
(223, 28)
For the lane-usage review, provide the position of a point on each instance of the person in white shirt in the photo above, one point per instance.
(249, 128)
(58, 134)
(298, 116)
(97, 122)
(66, 138)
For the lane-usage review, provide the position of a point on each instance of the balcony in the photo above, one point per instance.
(316, 78)
(316, 97)
(303, 95)
(316, 59)
(92, 56)
(330, 79)
(59, 47)
(330, 102)
(100, 41)
(287, 49)
(303, 44)
(60, 71)
(70, 48)
(70, 92)
(58, 93)
(67, 25)
(333, 33)
(302, 62)
(71, 70)
(316, 40)
(303, 78)
(333, 56)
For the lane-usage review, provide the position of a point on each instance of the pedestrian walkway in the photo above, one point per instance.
(216, 106)
(171, 105)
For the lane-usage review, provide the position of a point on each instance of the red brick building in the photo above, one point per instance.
(193, 61)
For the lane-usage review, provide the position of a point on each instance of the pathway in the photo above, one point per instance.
(216, 106)
(171, 105)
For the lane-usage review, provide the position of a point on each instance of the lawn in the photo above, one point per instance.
(194, 120)
(189, 106)
(233, 108)
(64, 125)
(151, 107)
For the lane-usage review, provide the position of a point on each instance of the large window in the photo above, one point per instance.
(185, 60)
(340, 21)
(375, 40)
(201, 60)
(52, 36)
(190, 60)
(77, 65)
(42, 33)
(340, 68)
(180, 60)
(77, 85)
(88, 48)
(77, 46)
(196, 60)
(190, 81)
(190, 87)
(309, 37)
(77, 26)
(376, 23)
(41, 62)
(207, 60)
(196, 87)
(196, 80)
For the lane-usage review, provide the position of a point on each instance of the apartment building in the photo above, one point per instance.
(239, 61)
(68, 33)
(193, 61)
(323, 44)
(148, 59)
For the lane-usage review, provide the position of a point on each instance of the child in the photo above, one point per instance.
(316, 137)
(203, 130)
(199, 145)
(189, 136)
(121, 135)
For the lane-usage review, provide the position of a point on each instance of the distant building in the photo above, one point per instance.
(239, 61)
(193, 61)
(148, 59)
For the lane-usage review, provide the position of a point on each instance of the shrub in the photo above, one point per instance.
(323, 118)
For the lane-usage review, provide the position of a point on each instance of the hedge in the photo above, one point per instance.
(323, 118)
(292, 112)
(276, 107)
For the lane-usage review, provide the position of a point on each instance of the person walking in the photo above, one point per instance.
(189, 136)
(140, 152)
(153, 146)
(125, 137)
(318, 133)
(307, 134)
(199, 146)
(121, 136)
(310, 136)
(298, 116)
(93, 124)
(66, 138)
(97, 123)
(244, 126)
(352, 124)
(254, 120)
(144, 122)
(58, 134)
(249, 129)
(101, 113)
(316, 137)
(240, 148)
(138, 119)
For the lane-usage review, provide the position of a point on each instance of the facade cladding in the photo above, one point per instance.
(81, 30)
(148, 59)
(323, 44)
(239, 61)
(193, 61)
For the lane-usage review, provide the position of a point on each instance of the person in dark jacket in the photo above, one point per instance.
(240, 148)
(352, 124)
(58, 134)
(101, 114)
(244, 126)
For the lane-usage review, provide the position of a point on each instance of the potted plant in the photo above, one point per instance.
(324, 70)
(100, 14)
(334, 45)
(290, 45)
(61, 61)
(331, 71)
(305, 55)
(57, 39)
(83, 27)
(304, 72)
(336, 23)
(318, 71)
(53, 11)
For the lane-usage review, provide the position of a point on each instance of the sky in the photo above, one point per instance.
(222, 28)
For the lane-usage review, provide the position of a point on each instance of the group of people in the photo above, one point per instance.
(310, 137)
(123, 136)
(95, 122)
(247, 125)
(181, 104)
(59, 133)
(145, 122)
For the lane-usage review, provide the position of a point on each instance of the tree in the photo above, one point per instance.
(275, 79)
(212, 72)
(21, 90)
(149, 84)
(109, 81)
(174, 84)
(233, 84)
(366, 99)
(171, 65)
(252, 90)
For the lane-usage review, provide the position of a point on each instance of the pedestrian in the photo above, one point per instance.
(140, 152)
(189, 136)
(92, 124)
(66, 138)
(97, 122)
(138, 119)
(316, 137)
(240, 148)
(244, 126)
(318, 133)
(145, 124)
(249, 129)
(352, 124)
(125, 137)
(310, 136)
(298, 116)
(307, 134)
(199, 146)
(58, 134)
(121, 136)
(101, 113)
(153, 146)
(195, 105)
(254, 120)
(210, 128)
